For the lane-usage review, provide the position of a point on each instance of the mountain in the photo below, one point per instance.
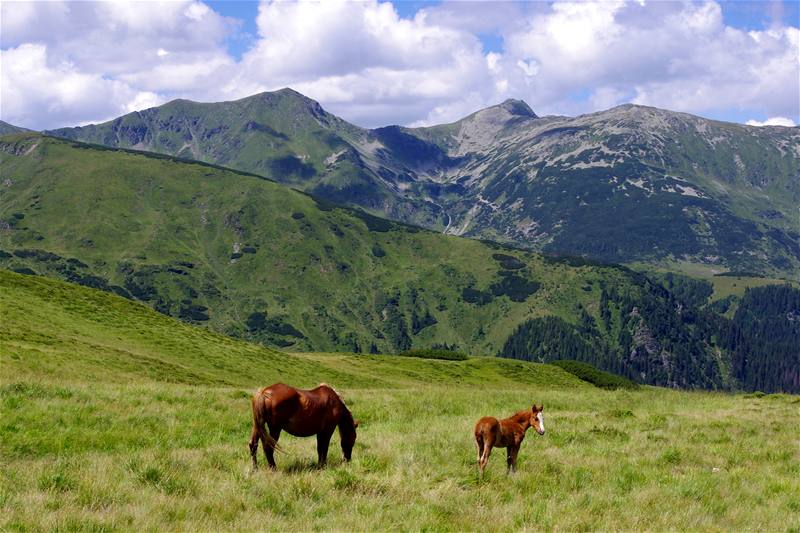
(282, 135)
(6, 128)
(630, 184)
(253, 259)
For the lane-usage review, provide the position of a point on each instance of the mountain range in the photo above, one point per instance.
(631, 184)
(254, 259)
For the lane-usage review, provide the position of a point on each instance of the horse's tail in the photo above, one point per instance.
(259, 403)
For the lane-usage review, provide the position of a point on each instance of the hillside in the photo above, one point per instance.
(628, 184)
(256, 260)
(54, 331)
(115, 417)
(6, 128)
(282, 135)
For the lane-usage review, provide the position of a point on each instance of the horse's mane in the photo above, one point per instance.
(518, 414)
(335, 392)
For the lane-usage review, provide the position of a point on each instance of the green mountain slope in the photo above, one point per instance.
(282, 135)
(6, 128)
(256, 260)
(57, 331)
(628, 184)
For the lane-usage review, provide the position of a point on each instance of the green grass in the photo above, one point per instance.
(724, 285)
(117, 418)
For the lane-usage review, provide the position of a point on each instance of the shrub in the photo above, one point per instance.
(508, 262)
(428, 353)
(515, 287)
(598, 378)
(475, 296)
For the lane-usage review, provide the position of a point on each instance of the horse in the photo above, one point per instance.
(506, 433)
(301, 413)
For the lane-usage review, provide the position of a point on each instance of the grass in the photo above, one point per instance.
(93, 438)
(724, 285)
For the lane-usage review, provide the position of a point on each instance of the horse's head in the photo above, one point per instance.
(347, 432)
(537, 418)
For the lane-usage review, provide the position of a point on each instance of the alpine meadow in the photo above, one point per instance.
(399, 266)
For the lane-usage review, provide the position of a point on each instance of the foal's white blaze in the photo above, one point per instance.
(540, 418)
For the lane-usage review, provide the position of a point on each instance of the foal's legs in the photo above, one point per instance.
(323, 441)
(488, 442)
(512, 459)
(479, 442)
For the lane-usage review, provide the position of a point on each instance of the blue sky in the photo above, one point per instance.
(410, 63)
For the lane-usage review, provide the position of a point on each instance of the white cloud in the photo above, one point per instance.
(85, 61)
(364, 61)
(678, 56)
(72, 62)
(33, 92)
(773, 121)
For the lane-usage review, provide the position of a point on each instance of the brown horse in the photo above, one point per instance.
(506, 433)
(301, 413)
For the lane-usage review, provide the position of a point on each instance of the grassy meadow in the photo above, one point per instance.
(115, 417)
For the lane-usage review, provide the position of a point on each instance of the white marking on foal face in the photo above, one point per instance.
(540, 418)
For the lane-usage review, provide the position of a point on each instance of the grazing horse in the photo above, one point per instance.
(301, 413)
(506, 433)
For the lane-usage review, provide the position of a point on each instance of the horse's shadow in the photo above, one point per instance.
(305, 465)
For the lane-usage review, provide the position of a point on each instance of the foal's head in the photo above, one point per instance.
(537, 418)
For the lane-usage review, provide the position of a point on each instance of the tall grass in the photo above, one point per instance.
(113, 417)
(166, 456)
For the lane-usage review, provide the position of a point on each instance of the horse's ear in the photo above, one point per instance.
(540, 408)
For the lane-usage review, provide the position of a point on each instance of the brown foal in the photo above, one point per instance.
(506, 433)
(301, 413)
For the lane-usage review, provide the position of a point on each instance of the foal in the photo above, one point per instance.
(506, 433)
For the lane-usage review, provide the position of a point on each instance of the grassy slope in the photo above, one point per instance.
(126, 214)
(93, 436)
(724, 286)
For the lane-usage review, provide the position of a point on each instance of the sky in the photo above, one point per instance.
(411, 63)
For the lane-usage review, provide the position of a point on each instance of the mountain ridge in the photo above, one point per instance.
(672, 186)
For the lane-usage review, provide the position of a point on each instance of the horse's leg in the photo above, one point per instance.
(479, 442)
(254, 446)
(513, 458)
(269, 444)
(323, 441)
(488, 443)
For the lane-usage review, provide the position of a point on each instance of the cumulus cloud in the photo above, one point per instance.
(773, 121)
(678, 56)
(363, 60)
(34, 92)
(65, 63)
(73, 62)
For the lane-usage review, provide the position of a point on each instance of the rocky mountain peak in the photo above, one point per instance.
(517, 108)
